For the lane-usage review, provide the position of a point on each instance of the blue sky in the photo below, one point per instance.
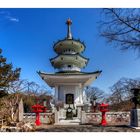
(27, 36)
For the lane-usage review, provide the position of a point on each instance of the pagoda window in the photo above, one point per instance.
(61, 58)
(69, 66)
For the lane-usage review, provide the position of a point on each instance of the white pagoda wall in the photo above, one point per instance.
(62, 90)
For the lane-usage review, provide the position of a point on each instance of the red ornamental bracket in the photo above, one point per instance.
(38, 109)
(104, 108)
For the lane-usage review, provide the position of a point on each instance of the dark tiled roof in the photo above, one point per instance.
(70, 73)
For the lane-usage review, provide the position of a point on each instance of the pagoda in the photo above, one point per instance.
(69, 81)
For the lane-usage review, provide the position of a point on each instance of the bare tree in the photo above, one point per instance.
(121, 90)
(18, 86)
(94, 93)
(121, 27)
(27, 87)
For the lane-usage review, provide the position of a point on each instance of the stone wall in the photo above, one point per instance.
(116, 118)
(46, 118)
(113, 118)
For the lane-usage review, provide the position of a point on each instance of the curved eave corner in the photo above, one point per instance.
(94, 77)
(98, 72)
(41, 74)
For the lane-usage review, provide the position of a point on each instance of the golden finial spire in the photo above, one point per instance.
(69, 22)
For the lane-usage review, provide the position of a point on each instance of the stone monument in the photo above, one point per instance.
(20, 110)
(135, 112)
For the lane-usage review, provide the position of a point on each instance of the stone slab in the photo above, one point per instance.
(134, 127)
(135, 118)
(21, 110)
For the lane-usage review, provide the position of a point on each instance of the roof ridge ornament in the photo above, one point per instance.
(69, 34)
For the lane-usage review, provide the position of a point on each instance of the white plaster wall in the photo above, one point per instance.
(76, 90)
(78, 98)
(56, 93)
(61, 93)
(72, 68)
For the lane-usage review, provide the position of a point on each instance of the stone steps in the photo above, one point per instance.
(69, 122)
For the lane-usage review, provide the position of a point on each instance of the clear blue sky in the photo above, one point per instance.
(27, 36)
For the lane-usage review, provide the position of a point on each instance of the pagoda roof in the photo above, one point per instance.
(75, 59)
(64, 44)
(70, 55)
(84, 78)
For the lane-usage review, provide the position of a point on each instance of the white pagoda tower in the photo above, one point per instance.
(69, 81)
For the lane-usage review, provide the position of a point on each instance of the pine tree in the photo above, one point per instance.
(7, 75)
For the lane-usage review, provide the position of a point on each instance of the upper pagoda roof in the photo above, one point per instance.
(69, 44)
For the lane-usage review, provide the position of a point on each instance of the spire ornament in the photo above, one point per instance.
(69, 22)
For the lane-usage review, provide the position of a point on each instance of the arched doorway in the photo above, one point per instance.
(69, 98)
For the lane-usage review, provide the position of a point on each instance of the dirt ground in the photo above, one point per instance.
(85, 128)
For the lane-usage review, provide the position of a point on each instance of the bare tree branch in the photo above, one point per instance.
(121, 27)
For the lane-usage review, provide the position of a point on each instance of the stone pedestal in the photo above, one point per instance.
(83, 117)
(79, 110)
(56, 117)
(87, 107)
(135, 118)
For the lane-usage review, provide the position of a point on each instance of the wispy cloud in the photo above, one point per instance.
(4, 12)
(6, 15)
(12, 19)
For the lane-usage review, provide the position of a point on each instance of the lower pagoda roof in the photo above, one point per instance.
(83, 78)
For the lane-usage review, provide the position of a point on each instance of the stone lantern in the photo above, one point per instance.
(135, 112)
(136, 96)
(104, 109)
(93, 101)
(37, 109)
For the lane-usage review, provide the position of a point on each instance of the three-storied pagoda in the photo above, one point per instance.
(69, 81)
